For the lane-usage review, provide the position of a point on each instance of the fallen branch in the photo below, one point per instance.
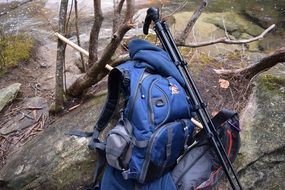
(78, 48)
(97, 72)
(250, 71)
(226, 40)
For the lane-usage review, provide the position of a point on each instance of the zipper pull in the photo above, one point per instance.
(141, 90)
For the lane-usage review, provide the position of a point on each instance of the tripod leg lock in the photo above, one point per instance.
(199, 106)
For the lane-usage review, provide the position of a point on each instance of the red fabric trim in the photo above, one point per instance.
(230, 142)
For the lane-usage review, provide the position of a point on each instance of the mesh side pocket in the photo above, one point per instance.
(119, 146)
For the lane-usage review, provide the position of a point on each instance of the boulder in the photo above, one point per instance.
(261, 162)
(210, 26)
(8, 94)
(202, 31)
(53, 160)
(234, 23)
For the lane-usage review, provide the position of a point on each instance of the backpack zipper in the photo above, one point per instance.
(136, 95)
(168, 102)
(150, 112)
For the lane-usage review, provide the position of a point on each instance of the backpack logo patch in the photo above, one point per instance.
(173, 88)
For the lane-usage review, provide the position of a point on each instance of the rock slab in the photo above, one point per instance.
(8, 94)
(261, 162)
(53, 160)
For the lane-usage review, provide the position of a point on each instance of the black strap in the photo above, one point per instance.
(100, 165)
(217, 120)
(112, 102)
(107, 113)
(222, 116)
(114, 89)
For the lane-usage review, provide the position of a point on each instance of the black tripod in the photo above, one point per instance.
(168, 43)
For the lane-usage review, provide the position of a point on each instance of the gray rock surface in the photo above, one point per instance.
(8, 94)
(31, 111)
(53, 160)
(261, 163)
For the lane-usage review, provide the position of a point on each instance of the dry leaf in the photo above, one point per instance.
(224, 83)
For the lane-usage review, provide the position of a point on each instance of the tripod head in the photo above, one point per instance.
(152, 15)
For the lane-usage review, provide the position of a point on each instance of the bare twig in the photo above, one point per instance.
(228, 41)
(181, 39)
(26, 115)
(179, 8)
(76, 47)
(77, 34)
(74, 107)
(67, 27)
(33, 108)
(225, 28)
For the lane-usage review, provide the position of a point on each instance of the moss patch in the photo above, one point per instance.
(273, 84)
(14, 49)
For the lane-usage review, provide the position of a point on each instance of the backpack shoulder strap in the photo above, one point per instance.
(116, 77)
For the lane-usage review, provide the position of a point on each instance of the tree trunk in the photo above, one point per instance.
(117, 14)
(98, 71)
(94, 35)
(250, 71)
(60, 59)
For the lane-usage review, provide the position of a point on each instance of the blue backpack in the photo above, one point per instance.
(155, 124)
(152, 145)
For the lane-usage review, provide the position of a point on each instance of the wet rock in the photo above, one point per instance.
(202, 31)
(253, 46)
(266, 14)
(8, 94)
(53, 160)
(261, 162)
(234, 23)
